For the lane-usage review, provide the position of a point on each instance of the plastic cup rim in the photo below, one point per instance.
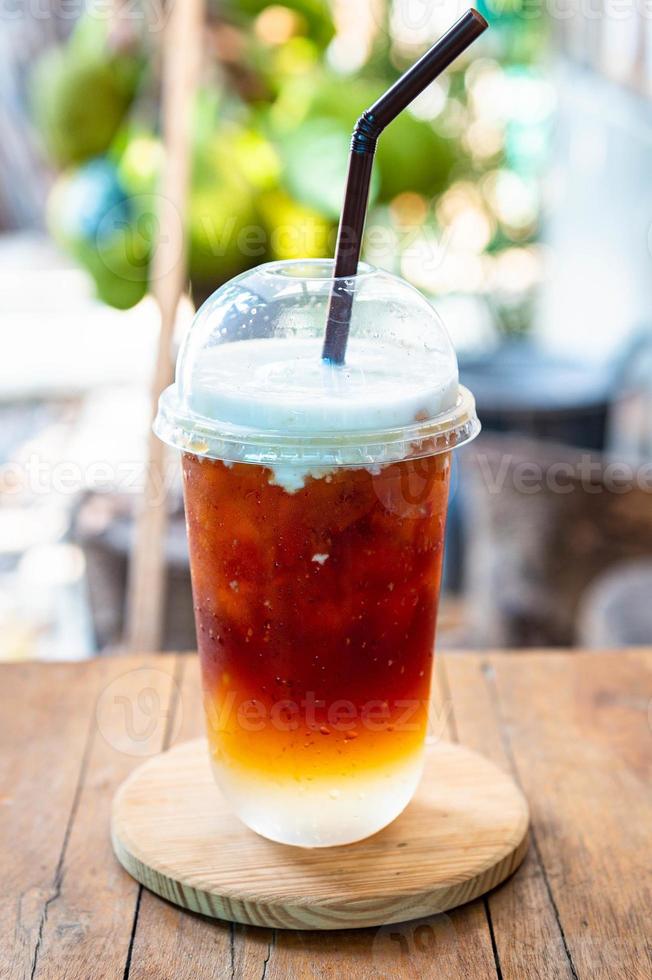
(191, 433)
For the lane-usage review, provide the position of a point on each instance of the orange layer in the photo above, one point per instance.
(286, 740)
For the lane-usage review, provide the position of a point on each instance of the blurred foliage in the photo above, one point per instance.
(82, 92)
(313, 17)
(105, 228)
(272, 128)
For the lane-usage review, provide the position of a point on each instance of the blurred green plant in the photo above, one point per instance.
(106, 229)
(313, 17)
(82, 90)
(271, 135)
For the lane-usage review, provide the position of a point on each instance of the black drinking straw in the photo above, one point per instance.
(363, 147)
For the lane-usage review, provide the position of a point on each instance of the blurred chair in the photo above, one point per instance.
(522, 387)
(542, 523)
(616, 609)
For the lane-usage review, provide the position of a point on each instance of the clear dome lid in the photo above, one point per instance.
(251, 384)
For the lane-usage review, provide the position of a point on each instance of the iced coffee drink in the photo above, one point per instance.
(316, 500)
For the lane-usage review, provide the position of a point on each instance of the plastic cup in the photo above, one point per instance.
(316, 500)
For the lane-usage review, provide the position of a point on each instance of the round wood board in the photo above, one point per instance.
(464, 832)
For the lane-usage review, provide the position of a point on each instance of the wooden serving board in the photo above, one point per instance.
(463, 834)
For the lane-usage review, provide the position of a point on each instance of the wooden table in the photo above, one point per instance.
(575, 729)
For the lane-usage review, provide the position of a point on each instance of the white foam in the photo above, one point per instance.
(283, 385)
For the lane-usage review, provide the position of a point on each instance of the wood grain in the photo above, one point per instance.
(581, 740)
(573, 727)
(169, 941)
(464, 832)
(453, 944)
(522, 918)
(45, 726)
(130, 722)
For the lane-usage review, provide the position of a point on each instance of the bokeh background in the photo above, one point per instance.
(515, 194)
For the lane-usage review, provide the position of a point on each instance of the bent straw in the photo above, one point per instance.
(363, 147)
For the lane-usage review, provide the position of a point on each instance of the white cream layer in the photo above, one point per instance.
(283, 385)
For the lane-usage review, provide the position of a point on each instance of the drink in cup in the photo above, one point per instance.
(316, 499)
